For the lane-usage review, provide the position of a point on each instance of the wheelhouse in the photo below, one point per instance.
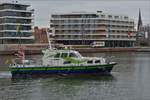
(71, 54)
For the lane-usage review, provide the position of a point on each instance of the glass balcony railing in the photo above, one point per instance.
(13, 34)
(18, 14)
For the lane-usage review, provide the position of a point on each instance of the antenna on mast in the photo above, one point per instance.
(49, 42)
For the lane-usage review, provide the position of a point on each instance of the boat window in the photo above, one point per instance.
(67, 62)
(78, 54)
(57, 55)
(90, 62)
(63, 55)
(73, 55)
(97, 61)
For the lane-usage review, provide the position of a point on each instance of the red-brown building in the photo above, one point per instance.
(40, 35)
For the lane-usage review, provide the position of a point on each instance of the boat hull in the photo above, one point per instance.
(92, 69)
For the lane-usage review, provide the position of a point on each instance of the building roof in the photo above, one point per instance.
(91, 13)
(73, 13)
(13, 3)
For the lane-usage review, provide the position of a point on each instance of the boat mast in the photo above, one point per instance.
(20, 51)
(49, 42)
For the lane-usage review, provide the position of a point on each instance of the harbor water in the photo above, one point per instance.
(129, 80)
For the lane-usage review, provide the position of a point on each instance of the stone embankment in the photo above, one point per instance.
(37, 49)
(28, 48)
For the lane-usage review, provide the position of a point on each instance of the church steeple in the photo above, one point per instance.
(139, 20)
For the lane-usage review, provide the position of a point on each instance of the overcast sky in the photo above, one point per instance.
(44, 8)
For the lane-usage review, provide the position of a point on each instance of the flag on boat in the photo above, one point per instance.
(20, 54)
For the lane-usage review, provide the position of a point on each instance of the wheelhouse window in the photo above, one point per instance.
(78, 54)
(90, 62)
(67, 62)
(97, 61)
(63, 55)
(57, 55)
(73, 55)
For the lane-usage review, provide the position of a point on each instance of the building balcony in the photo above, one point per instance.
(119, 24)
(93, 34)
(116, 19)
(120, 34)
(98, 18)
(16, 31)
(93, 23)
(121, 39)
(17, 38)
(102, 39)
(120, 29)
(73, 34)
(82, 29)
(13, 3)
(16, 17)
(16, 24)
(14, 10)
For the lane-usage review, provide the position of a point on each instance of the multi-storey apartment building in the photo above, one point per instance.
(13, 15)
(82, 28)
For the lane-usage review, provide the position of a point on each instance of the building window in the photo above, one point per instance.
(109, 16)
(116, 17)
(63, 55)
(103, 16)
(90, 62)
(73, 55)
(118, 31)
(57, 55)
(125, 17)
(97, 61)
(118, 36)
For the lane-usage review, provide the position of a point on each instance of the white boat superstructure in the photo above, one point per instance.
(69, 58)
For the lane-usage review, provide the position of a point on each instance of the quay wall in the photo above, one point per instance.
(114, 49)
(37, 49)
(28, 48)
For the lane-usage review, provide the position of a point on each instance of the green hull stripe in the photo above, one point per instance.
(62, 68)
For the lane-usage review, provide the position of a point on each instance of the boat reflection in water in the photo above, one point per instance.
(66, 79)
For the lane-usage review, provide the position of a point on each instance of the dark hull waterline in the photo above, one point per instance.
(69, 70)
